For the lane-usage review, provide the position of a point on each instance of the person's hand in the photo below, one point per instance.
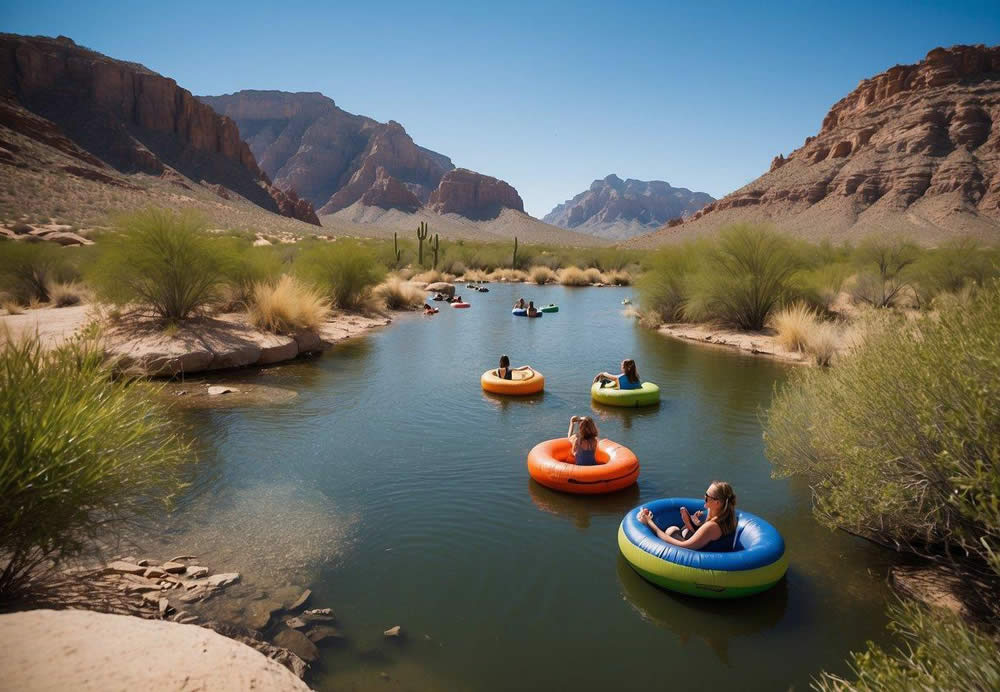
(698, 515)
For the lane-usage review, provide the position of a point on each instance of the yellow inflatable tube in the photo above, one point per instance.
(523, 382)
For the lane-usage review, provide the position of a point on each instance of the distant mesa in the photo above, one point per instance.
(336, 159)
(913, 151)
(118, 115)
(616, 208)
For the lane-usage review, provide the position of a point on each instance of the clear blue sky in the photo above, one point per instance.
(547, 96)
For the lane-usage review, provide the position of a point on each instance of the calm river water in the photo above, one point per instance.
(397, 490)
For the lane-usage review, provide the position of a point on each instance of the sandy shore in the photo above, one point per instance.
(217, 342)
(763, 343)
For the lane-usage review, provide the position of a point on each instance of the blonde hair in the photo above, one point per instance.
(726, 519)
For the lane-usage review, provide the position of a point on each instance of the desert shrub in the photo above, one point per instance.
(28, 269)
(823, 343)
(287, 305)
(820, 286)
(11, 306)
(399, 295)
(901, 441)
(794, 324)
(345, 270)
(883, 276)
(593, 275)
(65, 294)
(573, 276)
(663, 288)
(509, 275)
(475, 275)
(742, 278)
(456, 267)
(244, 268)
(939, 652)
(541, 274)
(161, 261)
(952, 267)
(80, 454)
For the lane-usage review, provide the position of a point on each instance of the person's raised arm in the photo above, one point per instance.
(605, 375)
(572, 422)
(522, 368)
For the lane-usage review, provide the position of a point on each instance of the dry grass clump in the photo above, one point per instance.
(65, 294)
(475, 275)
(12, 307)
(794, 325)
(541, 275)
(509, 275)
(399, 295)
(287, 305)
(617, 277)
(406, 273)
(574, 276)
(593, 275)
(823, 343)
(428, 277)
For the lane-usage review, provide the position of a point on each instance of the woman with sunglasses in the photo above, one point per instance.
(720, 500)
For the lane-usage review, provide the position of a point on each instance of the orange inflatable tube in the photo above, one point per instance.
(523, 382)
(551, 463)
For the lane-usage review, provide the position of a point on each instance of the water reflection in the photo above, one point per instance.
(627, 416)
(580, 509)
(717, 622)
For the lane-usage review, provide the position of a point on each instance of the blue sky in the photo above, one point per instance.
(545, 95)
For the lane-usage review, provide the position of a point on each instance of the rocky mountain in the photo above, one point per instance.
(616, 208)
(914, 151)
(336, 159)
(121, 118)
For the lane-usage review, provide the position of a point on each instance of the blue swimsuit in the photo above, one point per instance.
(586, 457)
(625, 383)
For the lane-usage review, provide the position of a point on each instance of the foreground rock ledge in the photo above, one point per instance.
(83, 650)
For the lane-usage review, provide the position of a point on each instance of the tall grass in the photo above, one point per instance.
(664, 287)
(574, 276)
(901, 441)
(399, 295)
(593, 275)
(66, 294)
(81, 453)
(794, 325)
(345, 270)
(287, 306)
(617, 277)
(245, 267)
(428, 277)
(27, 270)
(161, 261)
(510, 275)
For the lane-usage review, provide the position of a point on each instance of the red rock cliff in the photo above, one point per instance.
(473, 195)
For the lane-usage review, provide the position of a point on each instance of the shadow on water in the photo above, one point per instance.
(716, 622)
(627, 415)
(580, 509)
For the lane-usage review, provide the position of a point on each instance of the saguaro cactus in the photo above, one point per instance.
(421, 236)
(434, 247)
(513, 264)
(395, 248)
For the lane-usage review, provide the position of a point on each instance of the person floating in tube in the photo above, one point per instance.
(505, 372)
(628, 378)
(584, 440)
(720, 500)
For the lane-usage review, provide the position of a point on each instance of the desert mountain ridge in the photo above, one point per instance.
(337, 159)
(913, 151)
(616, 209)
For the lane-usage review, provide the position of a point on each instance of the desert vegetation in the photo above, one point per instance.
(287, 305)
(81, 454)
(899, 444)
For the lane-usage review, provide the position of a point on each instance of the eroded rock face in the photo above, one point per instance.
(473, 195)
(617, 208)
(915, 149)
(388, 193)
(124, 115)
(330, 156)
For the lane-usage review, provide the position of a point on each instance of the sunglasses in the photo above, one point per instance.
(712, 497)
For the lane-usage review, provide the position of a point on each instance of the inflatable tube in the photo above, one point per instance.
(523, 382)
(647, 395)
(519, 312)
(551, 464)
(550, 308)
(461, 305)
(749, 561)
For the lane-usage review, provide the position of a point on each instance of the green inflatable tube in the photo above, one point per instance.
(647, 395)
(550, 308)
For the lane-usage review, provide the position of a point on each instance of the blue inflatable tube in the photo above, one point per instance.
(748, 562)
(519, 312)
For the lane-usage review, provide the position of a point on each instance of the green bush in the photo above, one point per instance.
(901, 441)
(884, 272)
(80, 452)
(743, 277)
(345, 270)
(663, 289)
(952, 267)
(160, 261)
(939, 652)
(28, 269)
(244, 267)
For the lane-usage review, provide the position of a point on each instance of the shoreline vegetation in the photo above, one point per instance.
(897, 433)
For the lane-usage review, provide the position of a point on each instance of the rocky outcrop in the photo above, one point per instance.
(616, 208)
(332, 157)
(124, 115)
(914, 150)
(473, 195)
(289, 204)
(388, 193)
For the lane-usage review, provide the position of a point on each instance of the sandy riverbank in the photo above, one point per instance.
(763, 343)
